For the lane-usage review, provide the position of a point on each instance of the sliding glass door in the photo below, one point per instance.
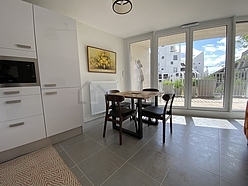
(240, 78)
(208, 67)
(192, 63)
(138, 68)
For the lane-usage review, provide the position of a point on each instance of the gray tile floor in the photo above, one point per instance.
(200, 151)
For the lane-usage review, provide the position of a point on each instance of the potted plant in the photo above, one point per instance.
(167, 86)
(178, 84)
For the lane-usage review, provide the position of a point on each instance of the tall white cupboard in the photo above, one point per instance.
(57, 52)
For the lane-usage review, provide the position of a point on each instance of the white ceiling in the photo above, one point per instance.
(147, 15)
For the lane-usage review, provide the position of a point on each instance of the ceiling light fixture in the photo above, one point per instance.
(189, 25)
(122, 6)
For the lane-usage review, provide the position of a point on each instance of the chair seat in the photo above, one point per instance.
(147, 104)
(124, 112)
(153, 110)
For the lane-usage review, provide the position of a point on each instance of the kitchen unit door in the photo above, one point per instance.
(17, 29)
(62, 110)
(57, 49)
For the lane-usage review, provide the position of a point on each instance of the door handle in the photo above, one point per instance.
(50, 93)
(13, 101)
(23, 46)
(16, 124)
(50, 85)
(11, 92)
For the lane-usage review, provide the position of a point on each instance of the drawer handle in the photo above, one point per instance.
(16, 124)
(23, 46)
(12, 92)
(12, 101)
(50, 93)
(50, 85)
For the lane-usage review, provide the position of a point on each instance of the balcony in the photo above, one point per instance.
(208, 91)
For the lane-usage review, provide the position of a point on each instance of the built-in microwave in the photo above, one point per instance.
(17, 71)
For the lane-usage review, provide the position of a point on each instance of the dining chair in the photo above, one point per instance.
(124, 104)
(117, 113)
(147, 103)
(161, 113)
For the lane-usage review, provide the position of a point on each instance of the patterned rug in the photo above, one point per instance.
(42, 167)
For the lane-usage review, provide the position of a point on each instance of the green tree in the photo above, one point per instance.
(242, 41)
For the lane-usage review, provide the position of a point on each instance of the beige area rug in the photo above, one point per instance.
(42, 167)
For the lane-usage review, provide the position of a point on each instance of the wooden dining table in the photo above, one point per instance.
(139, 95)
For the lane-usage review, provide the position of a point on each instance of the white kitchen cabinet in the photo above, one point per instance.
(62, 110)
(22, 131)
(21, 116)
(17, 29)
(57, 49)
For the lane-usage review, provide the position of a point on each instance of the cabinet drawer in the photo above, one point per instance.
(19, 91)
(19, 107)
(22, 131)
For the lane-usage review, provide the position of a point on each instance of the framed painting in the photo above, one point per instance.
(100, 60)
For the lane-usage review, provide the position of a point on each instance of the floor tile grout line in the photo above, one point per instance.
(166, 175)
(75, 164)
(126, 161)
(176, 157)
(143, 172)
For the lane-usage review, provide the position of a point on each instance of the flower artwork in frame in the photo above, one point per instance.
(100, 60)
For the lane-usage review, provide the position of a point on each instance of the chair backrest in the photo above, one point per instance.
(112, 91)
(113, 98)
(168, 98)
(150, 89)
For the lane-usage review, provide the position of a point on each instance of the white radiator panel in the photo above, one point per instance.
(97, 92)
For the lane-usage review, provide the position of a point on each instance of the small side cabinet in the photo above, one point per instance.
(17, 29)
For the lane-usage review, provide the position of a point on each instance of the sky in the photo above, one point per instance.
(214, 52)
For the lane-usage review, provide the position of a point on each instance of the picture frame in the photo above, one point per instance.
(101, 60)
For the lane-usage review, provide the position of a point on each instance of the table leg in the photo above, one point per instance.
(156, 101)
(140, 127)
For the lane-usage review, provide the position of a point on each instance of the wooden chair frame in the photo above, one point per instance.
(161, 113)
(117, 114)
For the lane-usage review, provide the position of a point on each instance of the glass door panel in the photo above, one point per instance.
(140, 55)
(171, 65)
(208, 67)
(240, 87)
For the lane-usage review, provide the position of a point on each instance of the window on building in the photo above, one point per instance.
(171, 62)
(162, 57)
(174, 57)
(172, 48)
(165, 76)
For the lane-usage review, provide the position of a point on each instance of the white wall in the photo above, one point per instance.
(90, 36)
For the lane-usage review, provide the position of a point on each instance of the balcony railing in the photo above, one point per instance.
(212, 86)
